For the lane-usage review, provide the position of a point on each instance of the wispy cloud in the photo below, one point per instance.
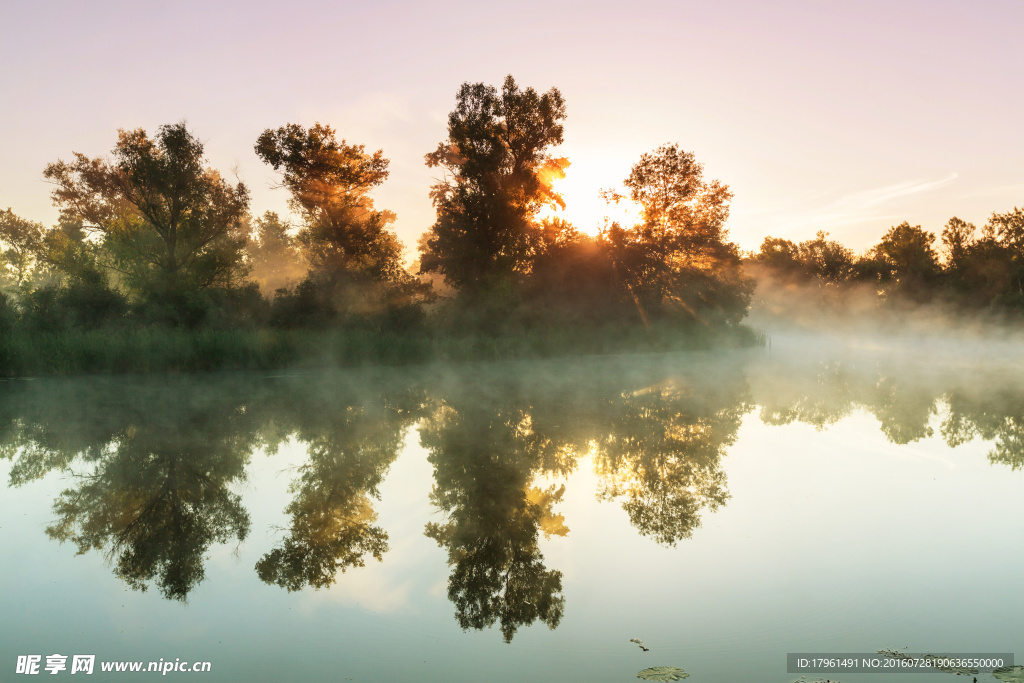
(866, 202)
(827, 213)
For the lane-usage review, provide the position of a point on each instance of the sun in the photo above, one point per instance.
(581, 187)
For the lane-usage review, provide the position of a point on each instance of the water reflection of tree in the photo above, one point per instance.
(351, 441)
(993, 411)
(822, 393)
(156, 509)
(45, 425)
(819, 397)
(486, 458)
(903, 407)
(904, 394)
(157, 461)
(495, 441)
(662, 451)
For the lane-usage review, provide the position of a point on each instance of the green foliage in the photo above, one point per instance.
(907, 258)
(273, 254)
(779, 254)
(675, 268)
(821, 260)
(330, 181)
(20, 242)
(497, 174)
(978, 272)
(355, 258)
(8, 314)
(145, 349)
(153, 239)
(987, 271)
(1008, 228)
(304, 306)
(573, 284)
(827, 259)
(677, 262)
(65, 254)
(168, 225)
(958, 236)
(986, 275)
(84, 302)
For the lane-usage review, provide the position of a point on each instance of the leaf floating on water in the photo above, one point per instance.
(1009, 674)
(663, 673)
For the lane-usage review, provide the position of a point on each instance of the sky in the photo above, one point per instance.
(837, 116)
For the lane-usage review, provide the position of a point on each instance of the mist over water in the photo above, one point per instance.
(532, 515)
(812, 321)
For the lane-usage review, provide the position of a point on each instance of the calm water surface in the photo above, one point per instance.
(517, 522)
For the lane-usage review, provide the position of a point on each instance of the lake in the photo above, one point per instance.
(519, 521)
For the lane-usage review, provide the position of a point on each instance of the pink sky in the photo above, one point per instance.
(847, 117)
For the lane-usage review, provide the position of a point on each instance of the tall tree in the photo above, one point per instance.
(330, 182)
(678, 256)
(497, 173)
(957, 238)
(1008, 229)
(906, 256)
(827, 260)
(170, 223)
(779, 254)
(355, 258)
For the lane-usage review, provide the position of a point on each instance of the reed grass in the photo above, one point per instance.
(142, 350)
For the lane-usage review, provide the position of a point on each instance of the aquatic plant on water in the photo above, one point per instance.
(663, 673)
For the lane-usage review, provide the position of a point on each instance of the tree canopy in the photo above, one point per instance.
(329, 182)
(497, 172)
(20, 241)
(355, 258)
(906, 255)
(678, 256)
(170, 224)
(273, 253)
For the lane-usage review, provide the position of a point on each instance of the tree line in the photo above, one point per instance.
(975, 269)
(151, 235)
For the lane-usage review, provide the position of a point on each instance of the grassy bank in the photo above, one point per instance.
(157, 349)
